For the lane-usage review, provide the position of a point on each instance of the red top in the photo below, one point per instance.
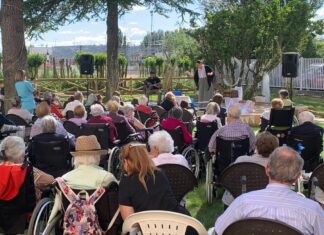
(171, 123)
(12, 178)
(106, 119)
(56, 111)
(144, 108)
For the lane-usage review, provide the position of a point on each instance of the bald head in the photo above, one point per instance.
(234, 111)
(285, 165)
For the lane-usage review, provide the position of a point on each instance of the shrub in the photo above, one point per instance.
(34, 61)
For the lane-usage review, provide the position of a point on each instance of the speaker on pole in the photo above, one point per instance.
(86, 64)
(290, 62)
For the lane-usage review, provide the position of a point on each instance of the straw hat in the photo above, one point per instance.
(87, 146)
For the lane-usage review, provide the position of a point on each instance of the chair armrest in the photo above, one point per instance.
(116, 142)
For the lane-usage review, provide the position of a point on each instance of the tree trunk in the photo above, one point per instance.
(13, 45)
(112, 48)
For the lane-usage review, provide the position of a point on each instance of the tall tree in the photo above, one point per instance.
(44, 15)
(13, 44)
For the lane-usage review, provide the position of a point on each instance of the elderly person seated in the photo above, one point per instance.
(265, 144)
(78, 118)
(218, 98)
(306, 125)
(48, 126)
(48, 96)
(169, 101)
(17, 110)
(14, 172)
(233, 130)
(113, 107)
(211, 115)
(128, 110)
(277, 201)
(161, 149)
(86, 160)
(142, 105)
(173, 121)
(78, 100)
(98, 116)
(42, 110)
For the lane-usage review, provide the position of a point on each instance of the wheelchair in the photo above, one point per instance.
(42, 222)
(280, 123)
(227, 151)
(188, 151)
(124, 137)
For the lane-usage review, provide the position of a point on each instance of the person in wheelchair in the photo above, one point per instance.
(173, 121)
(233, 130)
(218, 98)
(211, 115)
(128, 110)
(87, 174)
(161, 147)
(306, 126)
(98, 116)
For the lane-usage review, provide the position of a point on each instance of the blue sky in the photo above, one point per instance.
(135, 25)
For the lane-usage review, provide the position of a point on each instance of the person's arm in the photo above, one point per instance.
(30, 87)
(209, 71)
(129, 126)
(56, 111)
(126, 211)
(212, 143)
(138, 124)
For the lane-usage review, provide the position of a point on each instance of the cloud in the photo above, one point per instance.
(133, 23)
(139, 8)
(70, 32)
(135, 31)
(320, 14)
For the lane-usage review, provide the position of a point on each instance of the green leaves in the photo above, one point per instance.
(34, 61)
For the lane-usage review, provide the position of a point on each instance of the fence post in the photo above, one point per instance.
(301, 64)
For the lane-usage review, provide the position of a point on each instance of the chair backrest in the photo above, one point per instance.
(141, 116)
(69, 114)
(178, 139)
(100, 130)
(228, 150)
(106, 206)
(122, 131)
(243, 177)
(181, 179)
(281, 117)
(162, 113)
(309, 147)
(317, 179)
(204, 132)
(72, 128)
(17, 120)
(162, 222)
(258, 226)
(52, 157)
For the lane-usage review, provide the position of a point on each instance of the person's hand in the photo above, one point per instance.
(210, 74)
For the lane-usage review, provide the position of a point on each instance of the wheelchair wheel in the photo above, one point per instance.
(209, 182)
(54, 226)
(193, 160)
(40, 216)
(114, 164)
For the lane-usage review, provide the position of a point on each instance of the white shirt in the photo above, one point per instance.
(169, 158)
(277, 202)
(211, 118)
(202, 72)
(71, 105)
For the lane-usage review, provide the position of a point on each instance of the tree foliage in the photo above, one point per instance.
(34, 61)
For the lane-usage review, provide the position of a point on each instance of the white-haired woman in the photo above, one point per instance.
(161, 148)
(211, 115)
(128, 110)
(17, 110)
(86, 163)
(142, 105)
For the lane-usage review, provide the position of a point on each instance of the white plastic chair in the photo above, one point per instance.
(161, 222)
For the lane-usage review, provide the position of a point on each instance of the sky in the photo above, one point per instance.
(135, 25)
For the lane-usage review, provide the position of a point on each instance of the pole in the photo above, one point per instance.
(151, 51)
(291, 88)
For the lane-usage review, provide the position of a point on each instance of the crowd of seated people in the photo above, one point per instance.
(144, 187)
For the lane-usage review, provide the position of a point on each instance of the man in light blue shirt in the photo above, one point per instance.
(277, 201)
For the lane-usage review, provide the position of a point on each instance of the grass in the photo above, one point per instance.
(313, 103)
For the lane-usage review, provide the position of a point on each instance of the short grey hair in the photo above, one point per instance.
(127, 108)
(13, 149)
(115, 98)
(142, 100)
(285, 164)
(96, 110)
(86, 160)
(92, 98)
(234, 111)
(175, 112)
(48, 96)
(48, 124)
(162, 141)
(212, 108)
(306, 116)
(78, 96)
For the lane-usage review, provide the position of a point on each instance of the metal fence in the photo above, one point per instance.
(310, 75)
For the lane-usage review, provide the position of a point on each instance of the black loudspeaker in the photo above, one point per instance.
(86, 64)
(290, 61)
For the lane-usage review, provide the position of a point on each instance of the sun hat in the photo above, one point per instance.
(87, 146)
